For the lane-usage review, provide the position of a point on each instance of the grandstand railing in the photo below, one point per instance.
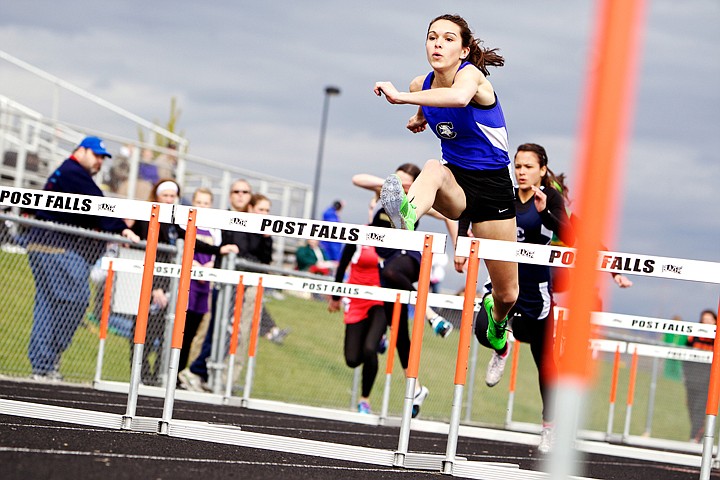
(34, 143)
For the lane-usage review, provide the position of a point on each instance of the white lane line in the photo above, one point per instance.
(261, 428)
(77, 453)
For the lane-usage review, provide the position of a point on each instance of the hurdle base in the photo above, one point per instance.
(447, 467)
(398, 459)
(126, 422)
(163, 427)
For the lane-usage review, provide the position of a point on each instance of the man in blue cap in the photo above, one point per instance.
(61, 262)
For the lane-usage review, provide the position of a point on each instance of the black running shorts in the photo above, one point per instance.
(489, 194)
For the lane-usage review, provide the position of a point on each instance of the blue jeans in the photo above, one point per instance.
(62, 295)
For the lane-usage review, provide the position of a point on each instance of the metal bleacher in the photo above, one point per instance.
(33, 143)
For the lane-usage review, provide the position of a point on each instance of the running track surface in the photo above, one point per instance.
(38, 449)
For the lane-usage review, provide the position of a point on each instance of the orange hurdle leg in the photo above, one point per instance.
(104, 320)
(711, 411)
(254, 332)
(142, 316)
(461, 364)
(239, 295)
(631, 394)
(415, 348)
(513, 379)
(180, 314)
(613, 392)
(394, 327)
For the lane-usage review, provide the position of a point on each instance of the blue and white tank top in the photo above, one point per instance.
(473, 137)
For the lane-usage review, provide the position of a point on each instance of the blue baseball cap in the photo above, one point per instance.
(96, 145)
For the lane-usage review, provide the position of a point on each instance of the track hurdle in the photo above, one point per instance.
(660, 267)
(297, 284)
(104, 207)
(124, 215)
(349, 233)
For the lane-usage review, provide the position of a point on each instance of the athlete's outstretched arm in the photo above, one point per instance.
(468, 83)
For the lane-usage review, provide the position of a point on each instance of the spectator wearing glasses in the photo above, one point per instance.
(195, 377)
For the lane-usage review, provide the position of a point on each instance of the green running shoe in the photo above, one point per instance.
(396, 204)
(497, 331)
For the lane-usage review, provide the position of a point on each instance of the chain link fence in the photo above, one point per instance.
(49, 324)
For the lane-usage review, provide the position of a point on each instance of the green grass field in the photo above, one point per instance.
(309, 368)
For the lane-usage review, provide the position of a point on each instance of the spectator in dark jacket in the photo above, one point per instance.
(61, 262)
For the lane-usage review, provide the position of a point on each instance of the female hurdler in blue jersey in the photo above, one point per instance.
(472, 180)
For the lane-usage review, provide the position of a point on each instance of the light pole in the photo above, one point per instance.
(329, 92)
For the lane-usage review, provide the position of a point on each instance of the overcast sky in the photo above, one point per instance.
(250, 79)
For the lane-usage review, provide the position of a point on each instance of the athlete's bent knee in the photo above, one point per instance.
(507, 296)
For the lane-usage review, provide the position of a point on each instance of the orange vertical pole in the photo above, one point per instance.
(514, 366)
(420, 307)
(633, 378)
(394, 327)
(558, 339)
(511, 388)
(714, 387)
(256, 319)
(147, 276)
(711, 410)
(184, 284)
(104, 320)
(613, 392)
(610, 97)
(107, 298)
(239, 294)
(390, 360)
(237, 315)
(461, 362)
(179, 326)
(631, 394)
(255, 328)
(415, 348)
(615, 375)
(468, 312)
(603, 145)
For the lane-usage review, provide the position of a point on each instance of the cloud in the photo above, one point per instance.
(250, 78)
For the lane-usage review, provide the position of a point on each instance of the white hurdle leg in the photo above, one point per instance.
(402, 450)
(99, 363)
(134, 387)
(164, 425)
